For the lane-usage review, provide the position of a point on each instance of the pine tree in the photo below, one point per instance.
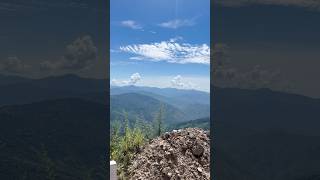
(46, 164)
(159, 121)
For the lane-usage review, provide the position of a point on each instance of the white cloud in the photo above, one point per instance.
(122, 63)
(201, 83)
(170, 51)
(114, 82)
(131, 24)
(134, 79)
(114, 51)
(176, 81)
(177, 23)
(177, 38)
(13, 65)
(179, 82)
(80, 54)
(228, 74)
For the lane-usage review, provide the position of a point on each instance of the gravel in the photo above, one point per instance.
(177, 155)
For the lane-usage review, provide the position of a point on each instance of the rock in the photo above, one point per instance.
(166, 136)
(180, 154)
(197, 150)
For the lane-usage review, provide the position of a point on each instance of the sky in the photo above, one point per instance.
(268, 44)
(160, 43)
(257, 43)
(42, 38)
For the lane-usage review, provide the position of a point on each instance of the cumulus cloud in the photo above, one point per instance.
(226, 74)
(131, 24)
(13, 65)
(312, 4)
(178, 82)
(177, 23)
(170, 51)
(80, 54)
(134, 79)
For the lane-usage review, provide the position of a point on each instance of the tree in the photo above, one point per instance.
(46, 164)
(125, 144)
(159, 121)
(115, 136)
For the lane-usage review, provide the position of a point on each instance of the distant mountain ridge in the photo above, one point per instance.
(279, 130)
(145, 107)
(264, 109)
(69, 85)
(187, 104)
(193, 104)
(194, 96)
(264, 134)
(63, 120)
(203, 123)
(33, 90)
(10, 79)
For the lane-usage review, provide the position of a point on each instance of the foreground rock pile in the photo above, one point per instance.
(181, 154)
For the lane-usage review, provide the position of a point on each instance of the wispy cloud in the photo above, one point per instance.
(177, 38)
(177, 23)
(131, 24)
(114, 51)
(170, 51)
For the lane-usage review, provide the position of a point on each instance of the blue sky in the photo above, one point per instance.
(160, 43)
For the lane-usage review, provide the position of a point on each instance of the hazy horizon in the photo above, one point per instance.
(112, 86)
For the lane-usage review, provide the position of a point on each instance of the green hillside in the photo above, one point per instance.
(203, 123)
(58, 139)
(145, 107)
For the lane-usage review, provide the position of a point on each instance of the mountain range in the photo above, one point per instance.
(22, 90)
(180, 105)
(58, 125)
(63, 138)
(264, 134)
(53, 128)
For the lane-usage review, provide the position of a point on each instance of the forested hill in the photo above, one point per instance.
(64, 138)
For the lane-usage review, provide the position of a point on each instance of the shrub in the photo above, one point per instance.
(125, 145)
(126, 140)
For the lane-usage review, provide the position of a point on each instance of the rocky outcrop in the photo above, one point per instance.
(180, 154)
